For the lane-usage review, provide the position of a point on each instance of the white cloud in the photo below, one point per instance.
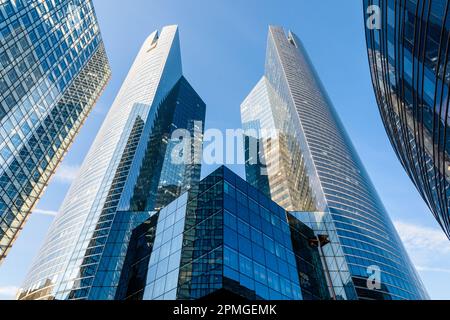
(428, 269)
(422, 238)
(45, 212)
(429, 248)
(66, 173)
(8, 293)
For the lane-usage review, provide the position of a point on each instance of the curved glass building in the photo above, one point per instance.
(128, 173)
(310, 164)
(409, 61)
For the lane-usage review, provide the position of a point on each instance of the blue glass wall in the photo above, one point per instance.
(258, 252)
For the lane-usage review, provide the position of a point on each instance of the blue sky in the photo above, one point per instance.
(223, 47)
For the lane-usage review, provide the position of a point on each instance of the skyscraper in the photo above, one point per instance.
(53, 67)
(129, 172)
(309, 164)
(408, 56)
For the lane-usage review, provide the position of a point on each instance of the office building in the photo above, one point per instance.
(307, 162)
(131, 167)
(53, 68)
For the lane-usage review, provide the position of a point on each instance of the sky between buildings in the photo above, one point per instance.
(223, 48)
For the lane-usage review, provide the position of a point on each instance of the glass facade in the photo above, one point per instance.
(53, 67)
(128, 173)
(338, 274)
(158, 182)
(411, 80)
(223, 235)
(311, 165)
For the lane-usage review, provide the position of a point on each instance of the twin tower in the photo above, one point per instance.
(307, 224)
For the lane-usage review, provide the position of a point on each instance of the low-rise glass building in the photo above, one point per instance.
(224, 235)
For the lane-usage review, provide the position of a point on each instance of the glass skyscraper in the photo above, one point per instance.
(129, 173)
(409, 59)
(223, 238)
(53, 68)
(305, 161)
